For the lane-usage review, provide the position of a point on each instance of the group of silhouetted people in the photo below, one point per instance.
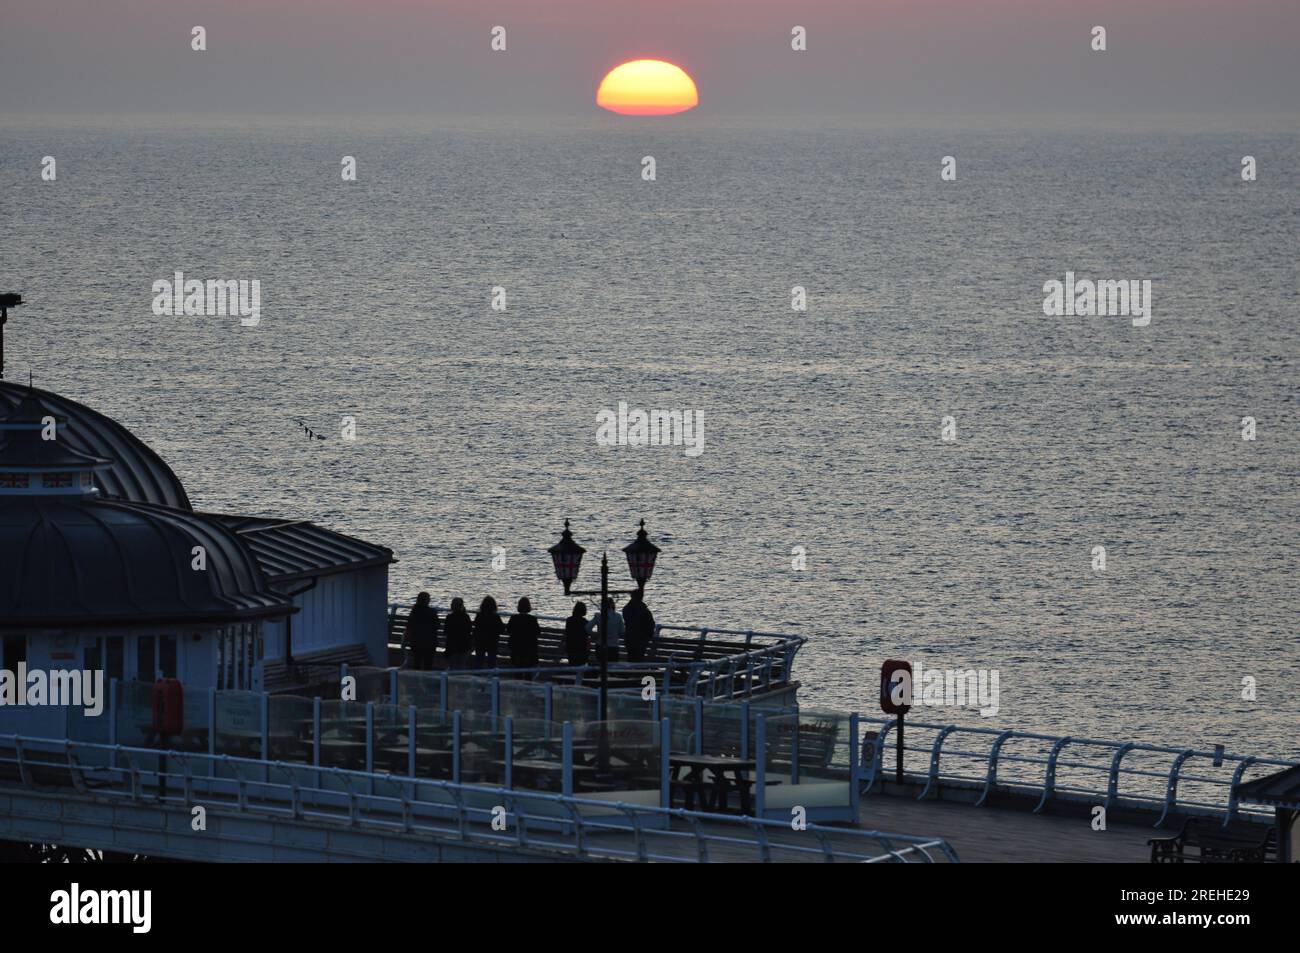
(475, 643)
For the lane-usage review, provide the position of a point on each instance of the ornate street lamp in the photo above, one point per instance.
(567, 557)
(7, 301)
(641, 556)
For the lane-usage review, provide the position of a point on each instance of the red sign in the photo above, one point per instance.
(895, 687)
(168, 707)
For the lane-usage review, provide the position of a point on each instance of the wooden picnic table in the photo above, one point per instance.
(687, 776)
(436, 760)
(339, 752)
(549, 773)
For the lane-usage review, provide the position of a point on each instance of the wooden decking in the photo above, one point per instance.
(989, 834)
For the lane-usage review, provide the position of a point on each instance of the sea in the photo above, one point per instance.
(921, 464)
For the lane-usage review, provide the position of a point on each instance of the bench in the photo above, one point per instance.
(814, 746)
(1215, 844)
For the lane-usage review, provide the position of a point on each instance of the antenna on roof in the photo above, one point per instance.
(7, 301)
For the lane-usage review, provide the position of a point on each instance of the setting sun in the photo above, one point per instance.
(647, 88)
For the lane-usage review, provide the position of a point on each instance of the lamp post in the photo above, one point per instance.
(7, 301)
(567, 557)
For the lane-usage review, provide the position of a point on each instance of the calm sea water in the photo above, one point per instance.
(476, 428)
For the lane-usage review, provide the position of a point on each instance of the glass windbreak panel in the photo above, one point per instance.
(433, 746)
(824, 743)
(762, 711)
(780, 747)
(482, 751)
(633, 752)
(135, 715)
(343, 735)
(681, 724)
(239, 724)
(521, 699)
(195, 706)
(723, 733)
(577, 705)
(291, 728)
(392, 739)
(630, 706)
(469, 694)
(538, 755)
(421, 689)
(373, 684)
(91, 728)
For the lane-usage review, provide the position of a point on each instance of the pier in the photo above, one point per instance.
(460, 766)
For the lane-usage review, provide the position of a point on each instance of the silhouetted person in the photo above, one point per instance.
(523, 633)
(615, 623)
(487, 634)
(460, 637)
(639, 622)
(575, 635)
(422, 632)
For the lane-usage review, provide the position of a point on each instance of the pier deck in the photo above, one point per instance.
(984, 834)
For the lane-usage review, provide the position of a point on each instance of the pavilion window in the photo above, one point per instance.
(115, 658)
(145, 666)
(223, 658)
(167, 656)
(107, 653)
(13, 652)
(253, 655)
(155, 657)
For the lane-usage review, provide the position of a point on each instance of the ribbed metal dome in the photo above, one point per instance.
(84, 561)
(136, 472)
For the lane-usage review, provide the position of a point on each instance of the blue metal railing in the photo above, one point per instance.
(476, 738)
(1102, 771)
(765, 662)
(1039, 768)
(579, 828)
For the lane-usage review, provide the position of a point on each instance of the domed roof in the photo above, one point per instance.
(73, 561)
(135, 472)
(23, 448)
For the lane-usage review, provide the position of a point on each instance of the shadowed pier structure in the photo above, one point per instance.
(991, 834)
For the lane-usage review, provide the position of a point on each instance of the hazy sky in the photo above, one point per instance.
(868, 57)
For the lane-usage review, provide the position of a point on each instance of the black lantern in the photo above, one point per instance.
(641, 557)
(567, 556)
(7, 301)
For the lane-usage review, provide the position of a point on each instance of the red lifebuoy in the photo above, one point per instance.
(168, 707)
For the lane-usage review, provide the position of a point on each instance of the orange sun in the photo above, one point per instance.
(647, 88)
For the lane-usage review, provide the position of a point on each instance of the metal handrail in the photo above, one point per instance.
(650, 828)
(1167, 801)
(719, 670)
